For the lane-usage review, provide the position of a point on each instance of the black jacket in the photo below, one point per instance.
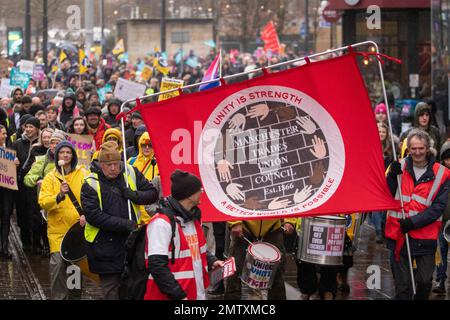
(158, 265)
(431, 214)
(22, 147)
(107, 253)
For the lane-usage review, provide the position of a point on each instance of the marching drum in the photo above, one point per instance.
(73, 250)
(321, 240)
(261, 264)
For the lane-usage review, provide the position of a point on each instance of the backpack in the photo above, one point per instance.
(133, 281)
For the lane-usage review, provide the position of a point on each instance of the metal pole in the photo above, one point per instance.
(163, 25)
(89, 23)
(102, 22)
(398, 178)
(45, 35)
(124, 146)
(306, 26)
(28, 29)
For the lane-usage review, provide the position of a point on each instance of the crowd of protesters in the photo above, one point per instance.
(34, 123)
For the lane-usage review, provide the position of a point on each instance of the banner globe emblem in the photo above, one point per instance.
(270, 150)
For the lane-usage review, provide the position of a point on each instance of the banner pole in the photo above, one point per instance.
(255, 70)
(399, 187)
(122, 123)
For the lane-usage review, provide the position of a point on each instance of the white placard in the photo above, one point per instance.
(26, 66)
(5, 88)
(126, 90)
(413, 80)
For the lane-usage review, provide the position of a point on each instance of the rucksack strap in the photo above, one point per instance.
(173, 222)
(74, 200)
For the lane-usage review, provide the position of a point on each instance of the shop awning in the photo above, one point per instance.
(387, 4)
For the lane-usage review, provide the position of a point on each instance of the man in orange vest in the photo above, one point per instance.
(424, 188)
(176, 253)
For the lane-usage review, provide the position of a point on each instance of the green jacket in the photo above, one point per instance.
(40, 168)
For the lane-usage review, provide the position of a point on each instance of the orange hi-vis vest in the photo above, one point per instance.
(416, 198)
(183, 268)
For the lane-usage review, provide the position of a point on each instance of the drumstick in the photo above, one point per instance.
(61, 163)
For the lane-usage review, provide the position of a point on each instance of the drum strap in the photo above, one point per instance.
(74, 200)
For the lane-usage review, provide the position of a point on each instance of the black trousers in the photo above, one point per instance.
(6, 209)
(423, 277)
(219, 229)
(308, 281)
(23, 214)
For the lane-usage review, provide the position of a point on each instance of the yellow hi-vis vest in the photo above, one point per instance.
(90, 232)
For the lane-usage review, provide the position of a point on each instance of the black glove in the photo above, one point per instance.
(406, 225)
(395, 168)
(127, 193)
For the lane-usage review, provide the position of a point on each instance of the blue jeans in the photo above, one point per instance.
(377, 218)
(441, 270)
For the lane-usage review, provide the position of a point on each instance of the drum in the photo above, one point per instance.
(322, 240)
(73, 250)
(261, 263)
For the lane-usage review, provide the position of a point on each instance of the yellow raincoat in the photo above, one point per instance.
(63, 215)
(108, 133)
(144, 165)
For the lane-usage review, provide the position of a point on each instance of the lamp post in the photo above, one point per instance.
(163, 25)
(45, 34)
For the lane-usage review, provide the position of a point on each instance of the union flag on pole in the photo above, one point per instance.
(299, 142)
(270, 37)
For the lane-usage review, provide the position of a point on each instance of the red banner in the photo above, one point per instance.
(270, 37)
(299, 142)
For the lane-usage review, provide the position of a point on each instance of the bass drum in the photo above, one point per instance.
(73, 250)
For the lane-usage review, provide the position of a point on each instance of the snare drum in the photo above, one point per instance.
(261, 263)
(322, 240)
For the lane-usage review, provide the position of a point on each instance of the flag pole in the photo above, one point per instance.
(394, 152)
(220, 64)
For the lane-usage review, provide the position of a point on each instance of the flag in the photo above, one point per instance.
(161, 65)
(62, 56)
(270, 37)
(211, 73)
(118, 48)
(299, 142)
(82, 61)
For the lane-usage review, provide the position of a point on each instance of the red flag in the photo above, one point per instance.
(270, 37)
(299, 142)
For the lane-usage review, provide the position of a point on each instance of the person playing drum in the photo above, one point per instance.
(269, 231)
(55, 198)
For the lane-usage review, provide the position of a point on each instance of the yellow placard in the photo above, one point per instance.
(168, 84)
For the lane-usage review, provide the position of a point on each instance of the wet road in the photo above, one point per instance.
(26, 276)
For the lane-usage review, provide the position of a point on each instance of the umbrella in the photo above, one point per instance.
(68, 47)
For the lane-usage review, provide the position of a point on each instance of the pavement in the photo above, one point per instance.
(26, 276)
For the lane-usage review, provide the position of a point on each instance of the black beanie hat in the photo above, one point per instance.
(184, 184)
(34, 122)
(24, 118)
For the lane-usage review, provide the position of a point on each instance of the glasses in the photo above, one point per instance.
(149, 146)
(112, 139)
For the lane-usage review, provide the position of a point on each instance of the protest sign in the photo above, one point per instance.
(4, 68)
(168, 84)
(19, 79)
(103, 91)
(26, 66)
(146, 73)
(39, 72)
(83, 144)
(126, 89)
(5, 88)
(8, 174)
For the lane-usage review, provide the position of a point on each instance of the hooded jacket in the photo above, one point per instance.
(64, 115)
(61, 212)
(108, 133)
(111, 118)
(146, 165)
(433, 131)
(133, 151)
